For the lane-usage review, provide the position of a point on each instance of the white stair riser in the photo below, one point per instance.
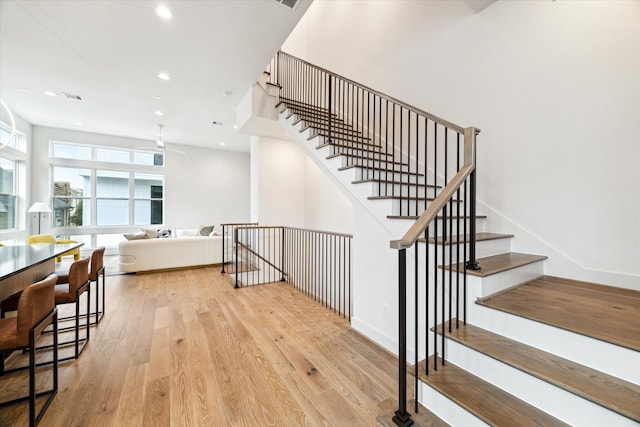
(374, 163)
(409, 207)
(483, 248)
(557, 402)
(388, 189)
(480, 287)
(446, 409)
(602, 356)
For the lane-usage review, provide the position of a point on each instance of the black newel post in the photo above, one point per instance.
(402, 417)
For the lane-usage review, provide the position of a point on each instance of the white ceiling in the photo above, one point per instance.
(110, 52)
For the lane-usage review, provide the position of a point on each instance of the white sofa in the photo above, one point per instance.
(180, 252)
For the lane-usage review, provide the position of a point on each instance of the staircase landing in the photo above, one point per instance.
(603, 312)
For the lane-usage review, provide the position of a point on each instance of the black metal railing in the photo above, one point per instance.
(316, 263)
(403, 150)
(425, 164)
(229, 243)
(258, 255)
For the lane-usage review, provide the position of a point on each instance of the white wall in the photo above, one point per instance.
(555, 88)
(294, 192)
(202, 187)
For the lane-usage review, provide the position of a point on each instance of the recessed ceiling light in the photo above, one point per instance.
(78, 123)
(163, 12)
(164, 76)
(49, 93)
(157, 97)
(235, 127)
(25, 89)
(159, 113)
(222, 143)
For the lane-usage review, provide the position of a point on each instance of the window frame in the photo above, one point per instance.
(95, 167)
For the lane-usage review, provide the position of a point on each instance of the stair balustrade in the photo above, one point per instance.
(316, 263)
(425, 164)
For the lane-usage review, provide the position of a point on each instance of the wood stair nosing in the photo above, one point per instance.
(480, 237)
(610, 392)
(498, 263)
(482, 399)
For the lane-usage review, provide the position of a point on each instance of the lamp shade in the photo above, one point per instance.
(39, 207)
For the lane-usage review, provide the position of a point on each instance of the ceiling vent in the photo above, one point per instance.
(291, 4)
(72, 96)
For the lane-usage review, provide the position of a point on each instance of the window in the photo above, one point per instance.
(18, 142)
(71, 197)
(148, 191)
(113, 188)
(8, 194)
(69, 150)
(112, 198)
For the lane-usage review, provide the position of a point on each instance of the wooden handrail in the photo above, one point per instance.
(429, 116)
(427, 217)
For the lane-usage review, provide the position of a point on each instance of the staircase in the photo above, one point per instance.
(492, 340)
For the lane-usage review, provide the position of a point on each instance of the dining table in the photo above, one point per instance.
(22, 265)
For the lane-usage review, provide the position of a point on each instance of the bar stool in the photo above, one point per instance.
(97, 270)
(69, 288)
(36, 311)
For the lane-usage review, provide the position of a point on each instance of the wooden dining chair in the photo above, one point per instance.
(36, 310)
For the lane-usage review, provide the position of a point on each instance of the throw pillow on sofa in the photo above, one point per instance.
(205, 230)
(136, 236)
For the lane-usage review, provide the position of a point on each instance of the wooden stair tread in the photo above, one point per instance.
(334, 132)
(367, 158)
(390, 171)
(460, 238)
(498, 263)
(361, 154)
(389, 181)
(487, 402)
(605, 390)
(341, 137)
(397, 197)
(545, 300)
(338, 123)
(345, 149)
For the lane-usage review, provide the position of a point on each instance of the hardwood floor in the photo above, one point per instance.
(184, 348)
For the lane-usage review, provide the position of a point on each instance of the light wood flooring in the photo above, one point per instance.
(184, 348)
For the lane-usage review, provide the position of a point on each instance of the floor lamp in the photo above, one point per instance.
(40, 208)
